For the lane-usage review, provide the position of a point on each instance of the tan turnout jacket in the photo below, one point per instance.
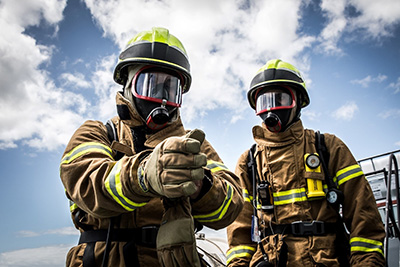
(102, 187)
(280, 160)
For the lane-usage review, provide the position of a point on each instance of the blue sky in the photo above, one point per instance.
(56, 63)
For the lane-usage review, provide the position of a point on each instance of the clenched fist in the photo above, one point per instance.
(175, 166)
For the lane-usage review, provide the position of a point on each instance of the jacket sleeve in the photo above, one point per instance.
(93, 180)
(241, 248)
(222, 203)
(359, 209)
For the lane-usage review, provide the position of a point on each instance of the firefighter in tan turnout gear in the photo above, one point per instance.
(291, 214)
(141, 185)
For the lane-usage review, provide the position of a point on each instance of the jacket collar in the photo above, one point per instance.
(127, 113)
(175, 128)
(264, 137)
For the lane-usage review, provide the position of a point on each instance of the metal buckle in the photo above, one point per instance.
(149, 234)
(300, 228)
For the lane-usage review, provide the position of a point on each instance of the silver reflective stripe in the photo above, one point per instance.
(86, 148)
(348, 173)
(215, 166)
(290, 196)
(240, 252)
(113, 185)
(221, 211)
(365, 245)
(246, 196)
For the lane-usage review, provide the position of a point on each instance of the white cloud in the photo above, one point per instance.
(346, 112)
(27, 233)
(310, 115)
(365, 82)
(50, 256)
(75, 81)
(105, 87)
(330, 35)
(395, 86)
(59, 231)
(361, 19)
(377, 18)
(38, 113)
(392, 113)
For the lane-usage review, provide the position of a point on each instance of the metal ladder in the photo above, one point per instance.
(392, 228)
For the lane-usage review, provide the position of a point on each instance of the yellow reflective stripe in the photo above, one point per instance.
(72, 206)
(239, 252)
(348, 173)
(290, 196)
(246, 196)
(114, 187)
(215, 166)
(221, 211)
(86, 148)
(366, 245)
(152, 60)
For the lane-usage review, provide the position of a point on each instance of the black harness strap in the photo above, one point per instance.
(145, 236)
(315, 228)
(88, 258)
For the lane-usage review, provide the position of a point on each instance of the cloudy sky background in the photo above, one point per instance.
(56, 64)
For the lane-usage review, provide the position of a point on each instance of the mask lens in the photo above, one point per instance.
(157, 86)
(273, 99)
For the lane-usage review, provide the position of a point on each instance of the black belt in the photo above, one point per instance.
(145, 236)
(300, 228)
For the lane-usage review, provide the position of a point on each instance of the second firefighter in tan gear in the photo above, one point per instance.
(141, 185)
(300, 227)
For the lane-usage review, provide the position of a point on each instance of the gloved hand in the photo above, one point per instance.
(174, 166)
(176, 242)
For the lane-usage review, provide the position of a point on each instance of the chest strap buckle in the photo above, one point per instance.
(301, 228)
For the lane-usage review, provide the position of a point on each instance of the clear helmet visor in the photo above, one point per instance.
(274, 99)
(158, 86)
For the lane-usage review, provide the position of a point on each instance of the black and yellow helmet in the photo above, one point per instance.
(156, 47)
(277, 72)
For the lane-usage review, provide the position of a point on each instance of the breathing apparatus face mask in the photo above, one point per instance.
(157, 94)
(277, 107)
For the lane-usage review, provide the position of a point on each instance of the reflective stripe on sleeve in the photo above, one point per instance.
(246, 196)
(347, 174)
(221, 211)
(365, 245)
(86, 148)
(239, 252)
(215, 166)
(114, 187)
(290, 196)
(72, 206)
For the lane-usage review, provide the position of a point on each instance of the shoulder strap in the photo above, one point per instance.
(334, 195)
(111, 131)
(113, 137)
(322, 150)
(252, 171)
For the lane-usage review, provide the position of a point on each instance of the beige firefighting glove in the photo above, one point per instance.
(174, 166)
(176, 242)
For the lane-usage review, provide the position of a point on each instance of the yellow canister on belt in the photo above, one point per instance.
(312, 163)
